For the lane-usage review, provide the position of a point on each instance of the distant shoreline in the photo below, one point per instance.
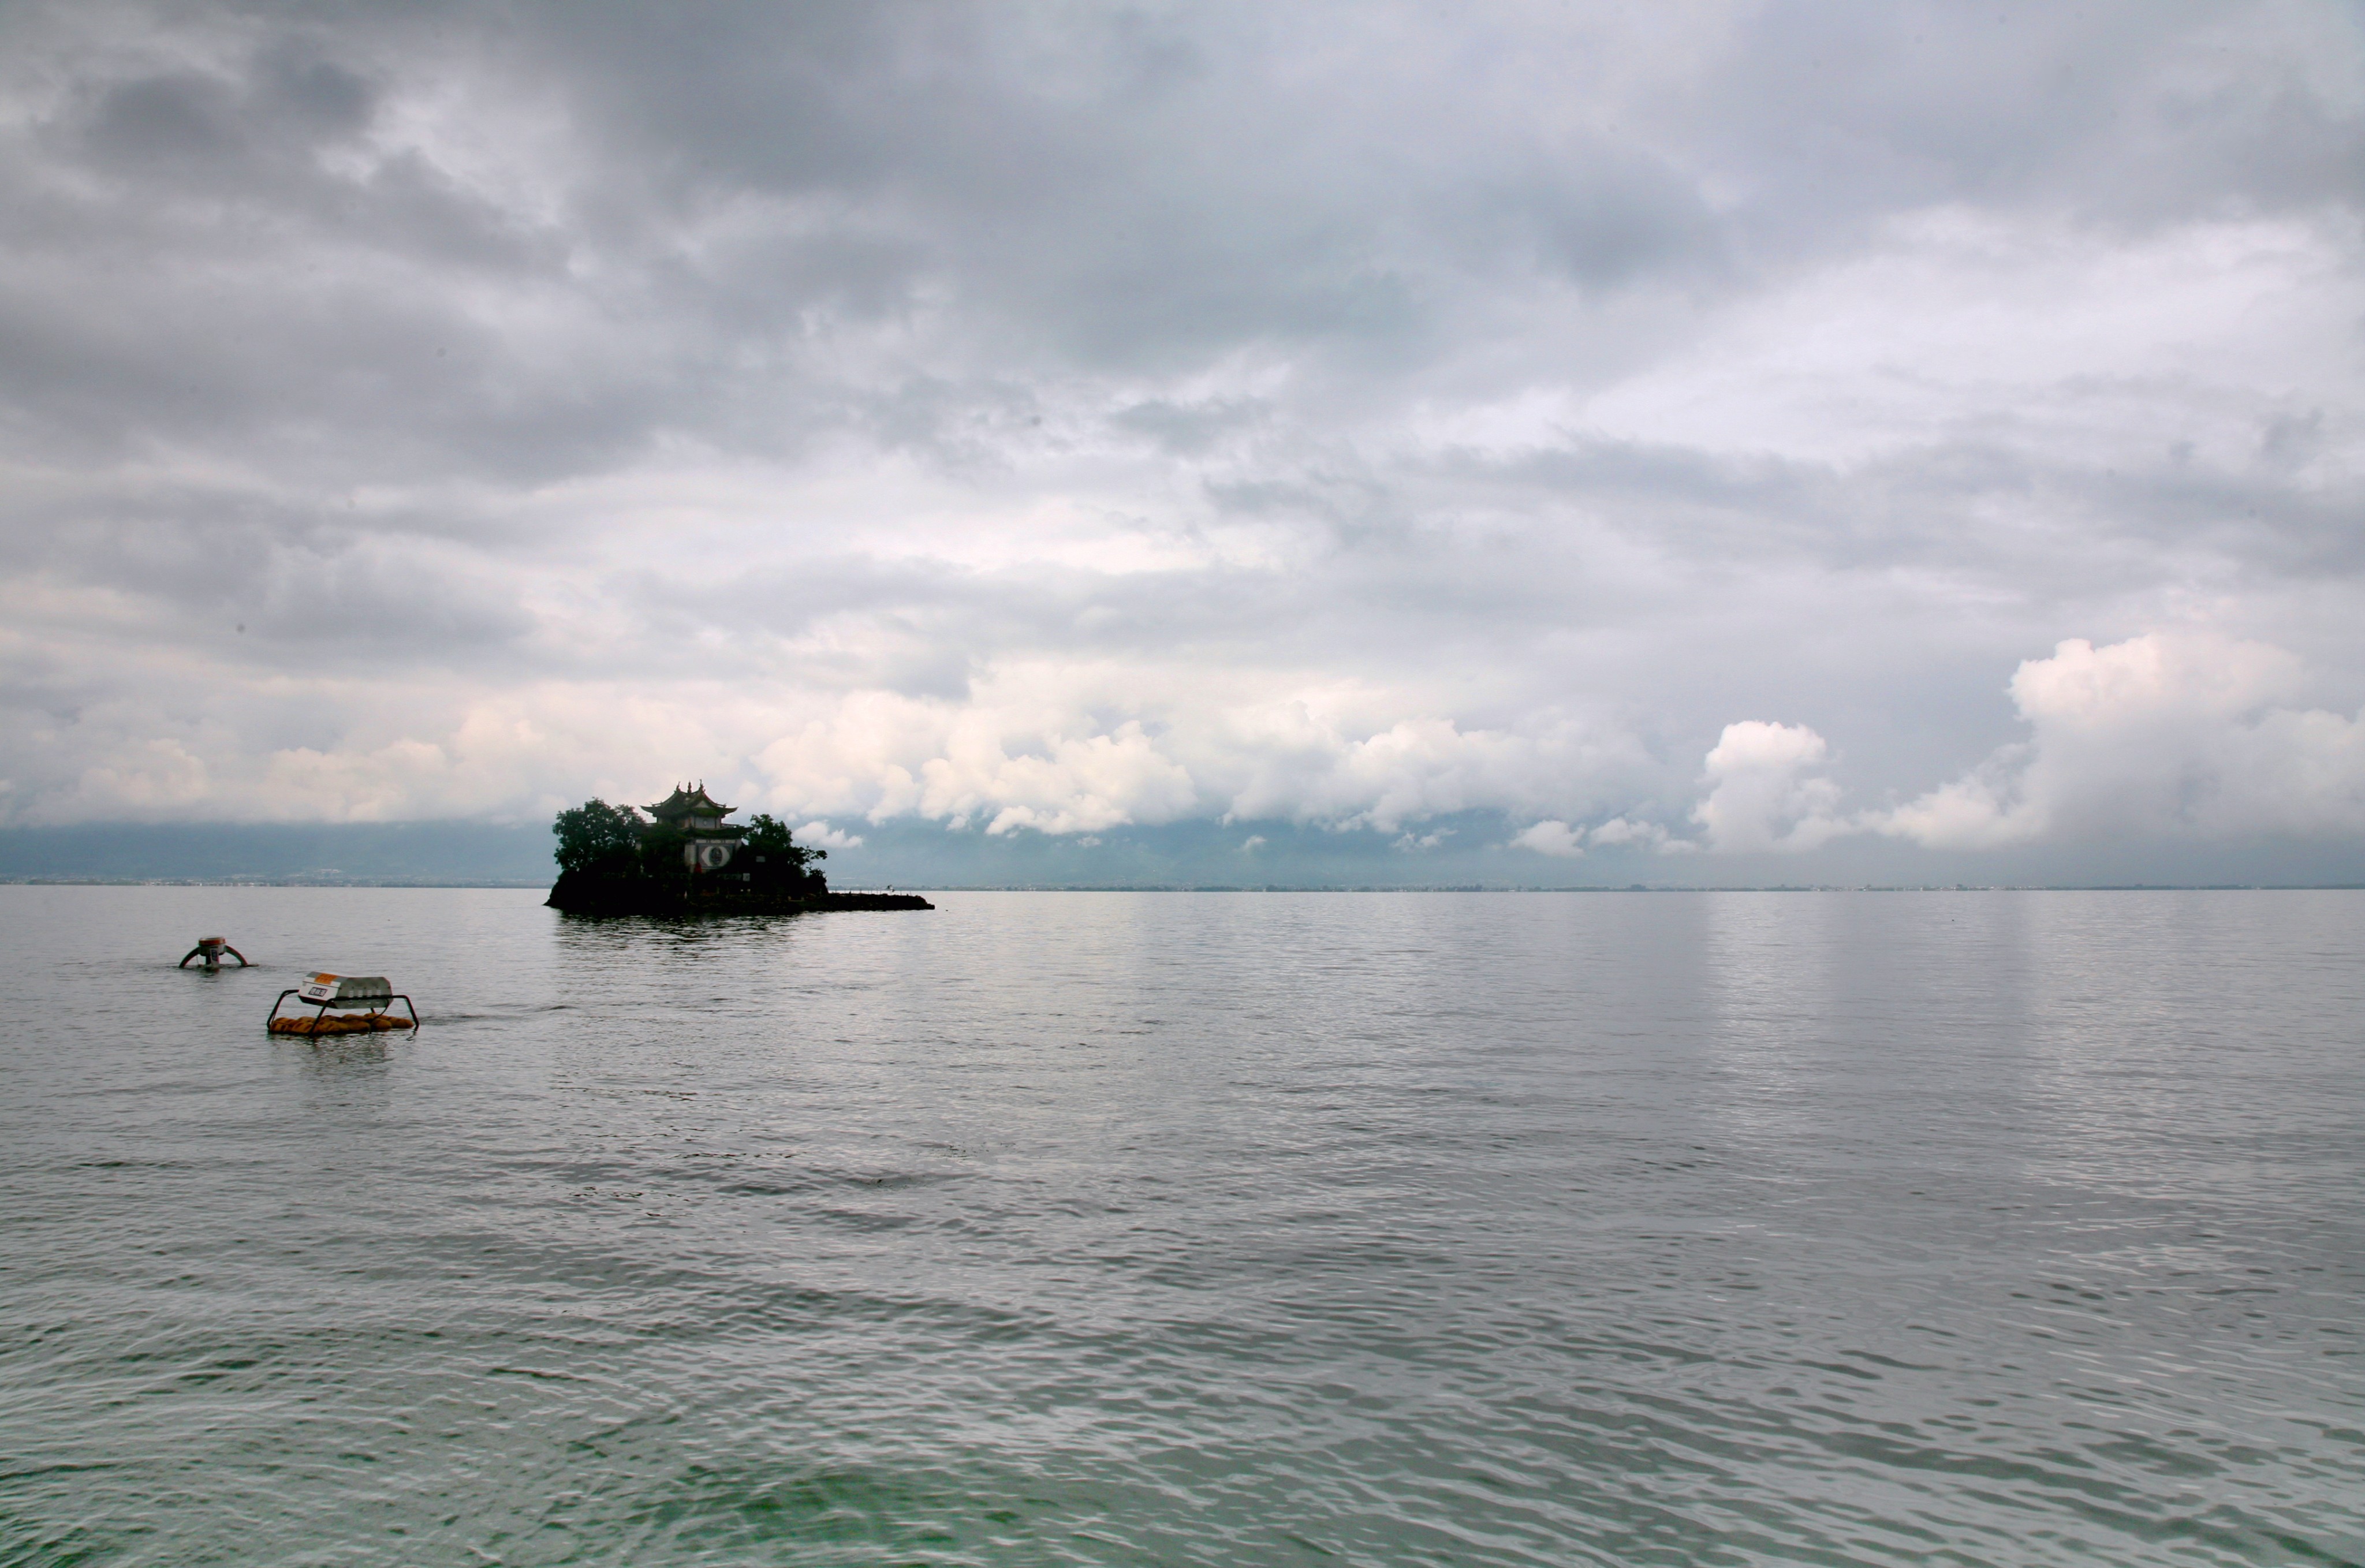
(543, 886)
(19, 882)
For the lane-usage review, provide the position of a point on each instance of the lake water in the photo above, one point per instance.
(1980, 1228)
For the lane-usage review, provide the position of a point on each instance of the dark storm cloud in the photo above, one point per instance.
(1077, 190)
(2126, 113)
(1092, 193)
(1984, 512)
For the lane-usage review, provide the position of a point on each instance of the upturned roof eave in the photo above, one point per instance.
(689, 803)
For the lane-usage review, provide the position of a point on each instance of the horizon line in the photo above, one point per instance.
(514, 885)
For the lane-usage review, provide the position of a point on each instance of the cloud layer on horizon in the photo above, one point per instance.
(1664, 433)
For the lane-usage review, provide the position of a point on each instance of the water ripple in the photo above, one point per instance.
(2009, 1228)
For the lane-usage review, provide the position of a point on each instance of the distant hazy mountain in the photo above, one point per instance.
(1471, 850)
(432, 852)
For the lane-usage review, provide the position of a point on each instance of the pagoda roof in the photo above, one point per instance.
(693, 802)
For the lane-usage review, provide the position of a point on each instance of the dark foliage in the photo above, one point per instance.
(662, 865)
(598, 839)
(611, 861)
(776, 862)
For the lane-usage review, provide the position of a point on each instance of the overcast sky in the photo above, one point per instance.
(1592, 437)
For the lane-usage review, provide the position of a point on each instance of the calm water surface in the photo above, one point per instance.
(1171, 1228)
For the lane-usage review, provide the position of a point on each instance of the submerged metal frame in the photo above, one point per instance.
(378, 1005)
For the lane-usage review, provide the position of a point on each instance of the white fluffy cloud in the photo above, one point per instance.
(1551, 837)
(2168, 735)
(1619, 831)
(1556, 838)
(1763, 793)
(1042, 748)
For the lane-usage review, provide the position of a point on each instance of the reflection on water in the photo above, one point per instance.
(1206, 1228)
(1768, 981)
(347, 1058)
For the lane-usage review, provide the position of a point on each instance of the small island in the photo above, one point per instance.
(684, 859)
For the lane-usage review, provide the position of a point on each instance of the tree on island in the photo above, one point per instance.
(603, 861)
(599, 839)
(776, 860)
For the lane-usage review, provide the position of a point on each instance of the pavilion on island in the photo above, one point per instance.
(698, 817)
